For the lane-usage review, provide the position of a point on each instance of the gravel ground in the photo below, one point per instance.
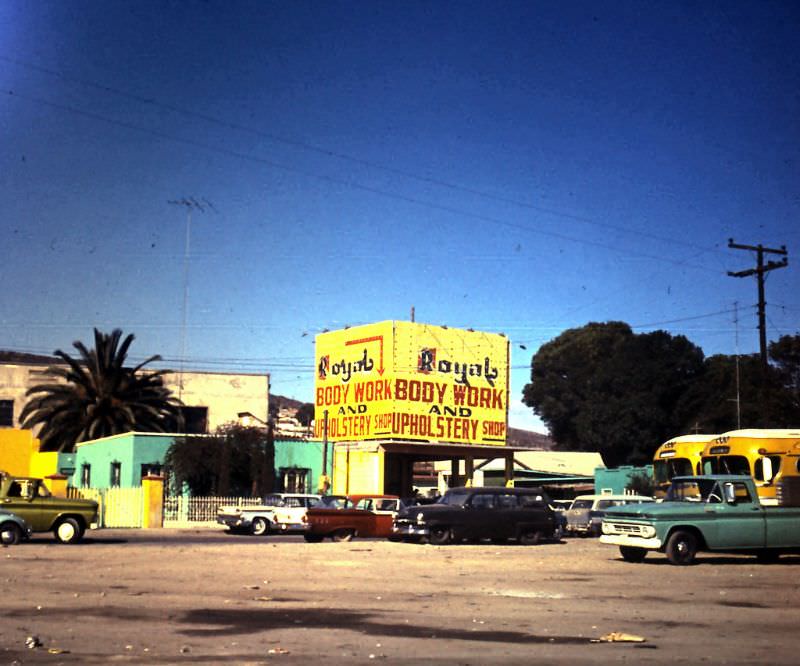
(204, 596)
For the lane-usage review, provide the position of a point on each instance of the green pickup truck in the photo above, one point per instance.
(30, 499)
(717, 513)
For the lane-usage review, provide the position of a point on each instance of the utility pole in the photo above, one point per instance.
(759, 271)
(191, 205)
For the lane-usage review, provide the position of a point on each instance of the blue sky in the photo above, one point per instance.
(516, 167)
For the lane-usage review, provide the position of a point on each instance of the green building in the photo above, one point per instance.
(122, 461)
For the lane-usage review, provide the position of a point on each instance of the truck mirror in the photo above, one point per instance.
(730, 493)
(767, 468)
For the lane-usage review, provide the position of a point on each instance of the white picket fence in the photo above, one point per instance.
(180, 511)
(117, 507)
(123, 507)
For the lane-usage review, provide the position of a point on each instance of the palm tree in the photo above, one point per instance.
(98, 396)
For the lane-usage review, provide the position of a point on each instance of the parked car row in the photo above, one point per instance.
(462, 514)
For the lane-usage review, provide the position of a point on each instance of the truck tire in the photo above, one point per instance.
(439, 536)
(632, 553)
(10, 534)
(681, 548)
(768, 556)
(313, 538)
(260, 526)
(68, 530)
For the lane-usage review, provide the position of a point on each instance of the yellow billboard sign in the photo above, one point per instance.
(404, 380)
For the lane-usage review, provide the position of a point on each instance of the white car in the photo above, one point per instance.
(585, 515)
(280, 512)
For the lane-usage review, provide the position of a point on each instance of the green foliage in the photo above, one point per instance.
(641, 483)
(305, 414)
(98, 396)
(235, 460)
(603, 388)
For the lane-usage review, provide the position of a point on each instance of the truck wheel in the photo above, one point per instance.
(681, 548)
(529, 537)
(343, 535)
(68, 531)
(439, 536)
(260, 526)
(632, 554)
(10, 534)
(313, 538)
(768, 556)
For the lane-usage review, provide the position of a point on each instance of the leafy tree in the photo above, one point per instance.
(234, 460)
(785, 354)
(603, 388)
(98, 396)
(641, 483)
(710, 403)
(305, 414)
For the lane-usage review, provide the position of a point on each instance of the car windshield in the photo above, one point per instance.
(454, 498)
(332, 502)
(582, 504)
(694, 490)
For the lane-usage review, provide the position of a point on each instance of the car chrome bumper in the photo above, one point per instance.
(409, 530)
(653, 543)
(233, 521)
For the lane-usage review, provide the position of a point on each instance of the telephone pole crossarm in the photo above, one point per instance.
(759, 271)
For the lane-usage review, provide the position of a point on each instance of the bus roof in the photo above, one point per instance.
(765, 433)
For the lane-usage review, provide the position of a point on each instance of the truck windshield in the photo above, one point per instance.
(694, 490)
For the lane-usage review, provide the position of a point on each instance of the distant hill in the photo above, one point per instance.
(527, 439)
(281, 402)
(23, 358)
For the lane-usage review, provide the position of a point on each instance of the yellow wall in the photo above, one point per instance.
(16, 449)
(43, 465)
(363, 475)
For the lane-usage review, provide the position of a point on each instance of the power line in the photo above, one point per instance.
(151, 101)
(354, 185)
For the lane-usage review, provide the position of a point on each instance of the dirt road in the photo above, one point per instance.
(203, 596)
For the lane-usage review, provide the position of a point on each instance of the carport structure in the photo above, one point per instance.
(386, 466)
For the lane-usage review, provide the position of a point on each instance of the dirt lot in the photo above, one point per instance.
(203, 596)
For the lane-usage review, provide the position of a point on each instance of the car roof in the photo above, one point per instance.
(497, 489)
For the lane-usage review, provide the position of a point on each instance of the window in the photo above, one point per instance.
(507, 501)
(295, 480)
(151, 469)
(482, 501)
(741, 493)
(195, 421)
(86, 475)
(7, 413)
(758, 468)
(115, 475)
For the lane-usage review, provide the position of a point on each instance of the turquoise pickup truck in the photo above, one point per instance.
(716, 513)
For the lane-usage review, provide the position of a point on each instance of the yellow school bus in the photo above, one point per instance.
(765, 454)
(679, 456)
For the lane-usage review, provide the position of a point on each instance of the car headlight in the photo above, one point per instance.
(648, 531)
(420, 519)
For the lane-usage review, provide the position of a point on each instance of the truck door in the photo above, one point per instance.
(743, 524)
(21, 500)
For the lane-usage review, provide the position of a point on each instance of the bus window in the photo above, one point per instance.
(664, 470)
(733, 465)
(766, 469)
